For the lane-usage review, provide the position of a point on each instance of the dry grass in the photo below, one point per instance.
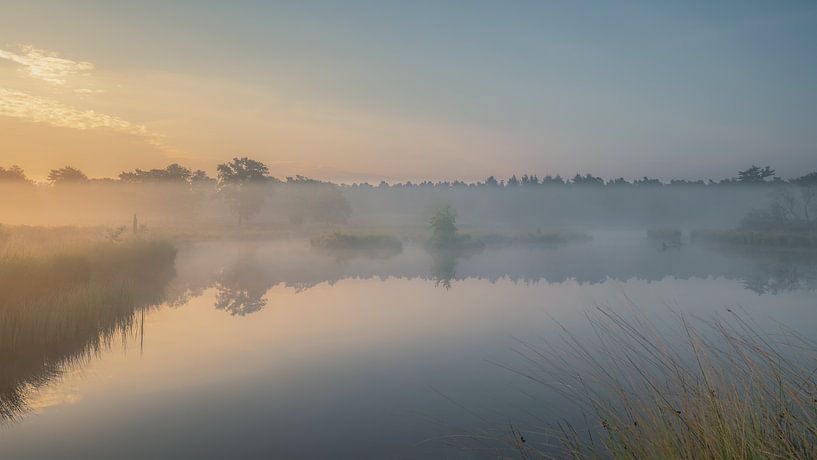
(721, 390)
(65, 294)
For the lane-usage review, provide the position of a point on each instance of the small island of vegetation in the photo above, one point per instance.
(446, 237)
(368, 244)
(539, 238)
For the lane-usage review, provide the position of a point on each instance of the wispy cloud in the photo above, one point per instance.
(46, 66)
(20, 104)
(69, 77)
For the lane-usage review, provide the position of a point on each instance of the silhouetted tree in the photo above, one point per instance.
(173, 173)
(66, 175)
(551, 180)
(239, 181)
(444, 227)
(200, 176)
(242, 171)
(619, 182)
(647, 181)
(530, 180)
(14, 174)
(755, 175)
(587, 179)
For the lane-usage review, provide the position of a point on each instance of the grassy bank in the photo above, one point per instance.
(719, 390)
(65, 293)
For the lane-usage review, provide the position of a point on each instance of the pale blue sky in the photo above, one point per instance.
(460, 89)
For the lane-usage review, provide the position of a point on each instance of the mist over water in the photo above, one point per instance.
(262, 348)
(168, 314)
(408, 230)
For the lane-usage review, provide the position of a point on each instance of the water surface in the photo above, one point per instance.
(274, 350)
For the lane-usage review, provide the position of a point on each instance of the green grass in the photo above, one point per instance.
(720, 390)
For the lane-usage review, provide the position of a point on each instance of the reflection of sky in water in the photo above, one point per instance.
(355, 365)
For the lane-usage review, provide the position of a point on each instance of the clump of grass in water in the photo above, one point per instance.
(548, 238)
(728, 394)
(351, 244)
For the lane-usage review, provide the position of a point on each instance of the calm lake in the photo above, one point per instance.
(276, 350)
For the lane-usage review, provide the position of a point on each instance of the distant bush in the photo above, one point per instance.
(446, 237)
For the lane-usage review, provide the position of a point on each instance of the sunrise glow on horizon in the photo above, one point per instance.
(409, 91)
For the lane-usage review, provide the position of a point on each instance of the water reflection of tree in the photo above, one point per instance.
(242, 287)
(246, 281)
(444, 268)
(776, 276)
(444, 264)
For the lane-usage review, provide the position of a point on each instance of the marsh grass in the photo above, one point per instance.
(65, 294)
(719, 390)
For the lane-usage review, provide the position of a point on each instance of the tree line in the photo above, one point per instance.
(245, 169)
(246, 188)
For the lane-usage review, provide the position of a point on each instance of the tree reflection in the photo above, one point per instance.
(444, 268)
(242, 287)
(444, 264)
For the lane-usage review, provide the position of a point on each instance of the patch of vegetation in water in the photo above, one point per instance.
(446, 237)
(368, 244)
(547, 238)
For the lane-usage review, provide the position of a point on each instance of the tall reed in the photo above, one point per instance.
(719, 390)
(65, 297)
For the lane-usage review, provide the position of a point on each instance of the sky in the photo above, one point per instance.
(353, 90)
